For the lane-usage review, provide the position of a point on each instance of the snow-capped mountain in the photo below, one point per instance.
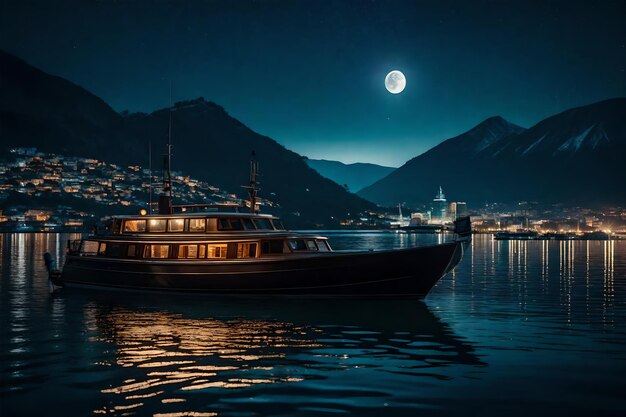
(582, 130)
(576, 156)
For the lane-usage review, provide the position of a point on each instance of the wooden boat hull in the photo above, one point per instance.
(405, 272)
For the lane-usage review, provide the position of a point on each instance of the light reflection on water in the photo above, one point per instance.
(519, 326)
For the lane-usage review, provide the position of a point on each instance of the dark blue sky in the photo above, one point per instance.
(310, 74)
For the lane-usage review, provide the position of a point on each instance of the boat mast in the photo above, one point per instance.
(253, 188)
(150, 177)
(165, 200)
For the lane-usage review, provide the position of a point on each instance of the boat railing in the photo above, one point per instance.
(199, 208)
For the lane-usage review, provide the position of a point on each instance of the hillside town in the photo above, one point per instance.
(49, 192)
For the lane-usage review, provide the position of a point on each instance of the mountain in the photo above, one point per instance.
(418, 179)
(55, 115)
(355, 176)
(42, 108)
(573, 157)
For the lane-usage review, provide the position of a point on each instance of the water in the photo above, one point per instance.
(519, 328)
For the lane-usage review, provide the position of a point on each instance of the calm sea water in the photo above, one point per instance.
(519, 328)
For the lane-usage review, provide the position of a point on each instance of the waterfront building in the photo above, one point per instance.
(457, 209)
(440, 207)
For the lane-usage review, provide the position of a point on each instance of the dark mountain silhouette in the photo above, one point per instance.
(355, 176)
(574, 157)
(418, 180)
(41, 109)
(55, 115)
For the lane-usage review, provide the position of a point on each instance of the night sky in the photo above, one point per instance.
(311, 74)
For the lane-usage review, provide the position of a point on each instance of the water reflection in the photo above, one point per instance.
(581, 275)
(217, 348)
(531, 313)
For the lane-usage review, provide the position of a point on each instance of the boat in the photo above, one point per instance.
(517, 235)
(558, 236)
(236, 250)
(417, 225)
(424, 228)
(597, 235)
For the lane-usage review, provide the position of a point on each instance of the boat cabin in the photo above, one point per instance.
(219, 236)
(193, 223)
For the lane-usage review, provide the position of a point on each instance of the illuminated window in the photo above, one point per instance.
(217, 251)
(176, 225)
(188, 251)
(157, 225)
(156, 251)
(135, 226)
(197, 225)
(201, 251)
(89, 247)
(246, 250)
(103, 249)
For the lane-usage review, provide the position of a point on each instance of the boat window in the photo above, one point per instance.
(201, 251)
(230, 224)
(135, 226)
(131, 252)
(89, 247)
(115, 250)
(217, 251)
(188, 251)
(249, 224)
(323, 245)
(263, 224)
(246, 250)
(176, 225)
(271, 246)
(278, 225)
(156, 251)
(157, 225)
(311, 245)
(117, 226)
(211, 224)
(297, 244)
(197, 225)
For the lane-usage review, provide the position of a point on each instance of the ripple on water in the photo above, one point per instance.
(533, 314)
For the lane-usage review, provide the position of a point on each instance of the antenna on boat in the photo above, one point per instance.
(253, 188)
(165, 199)
(150, 177)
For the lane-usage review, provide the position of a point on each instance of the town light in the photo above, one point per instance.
(143, 212)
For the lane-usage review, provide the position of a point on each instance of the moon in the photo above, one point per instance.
(395, 82)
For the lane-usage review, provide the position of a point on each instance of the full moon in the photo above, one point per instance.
(395, 82)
